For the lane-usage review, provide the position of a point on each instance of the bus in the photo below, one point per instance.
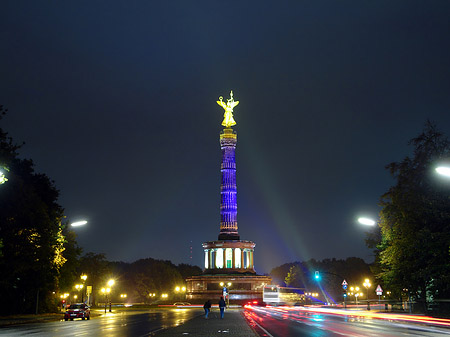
(275, 295)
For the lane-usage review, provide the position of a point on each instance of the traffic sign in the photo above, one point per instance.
(344, 283)
(344, 287)
(379, 291)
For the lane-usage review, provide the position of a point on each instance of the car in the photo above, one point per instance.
(182, 303)
(77, 310)
(255, 303)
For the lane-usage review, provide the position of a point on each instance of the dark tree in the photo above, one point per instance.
(31, 239)
(70, 271)
(187, 270)
(413, 248)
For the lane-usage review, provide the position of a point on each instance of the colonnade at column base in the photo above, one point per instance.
(228, 256)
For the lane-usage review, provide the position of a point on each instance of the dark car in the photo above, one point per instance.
(77, 310)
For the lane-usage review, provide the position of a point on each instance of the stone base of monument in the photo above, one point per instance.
(241, 288)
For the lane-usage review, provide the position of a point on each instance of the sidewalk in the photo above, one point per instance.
(233, 324)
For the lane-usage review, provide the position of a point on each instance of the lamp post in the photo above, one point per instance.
(151, 295)
(228, 293)
(356, 289)
(83, 277)
(106, 291)
(180, 291)
(367, 285)
(110, 284)
(79, 288)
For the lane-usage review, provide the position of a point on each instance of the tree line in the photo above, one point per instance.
(331, 274)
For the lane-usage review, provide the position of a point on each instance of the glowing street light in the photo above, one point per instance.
(84, 278)
(443, 170)
(366, 221)
(79, 287)
(78, 223)
(367, 285)
(110, 284)
(106, 291)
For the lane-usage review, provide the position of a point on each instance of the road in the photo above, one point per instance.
(124, 323)
(299, 321)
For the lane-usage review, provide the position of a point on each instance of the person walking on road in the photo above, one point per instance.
(222, 306)
(207, 307)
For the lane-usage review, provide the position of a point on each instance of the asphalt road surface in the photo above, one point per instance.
(125, 323)
(283, 322)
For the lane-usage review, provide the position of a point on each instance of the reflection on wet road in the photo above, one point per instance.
(298, 321)
(125, 323)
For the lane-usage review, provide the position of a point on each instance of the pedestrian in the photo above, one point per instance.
(207, 307)
(222, 306)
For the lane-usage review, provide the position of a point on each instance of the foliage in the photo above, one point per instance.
(32, 242)
(332, 272)
(413, 248)
(146, 276)
(69, 273)
(98, 271)
(187, 270)
(279, 273)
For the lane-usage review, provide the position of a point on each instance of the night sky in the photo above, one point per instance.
(116, 102)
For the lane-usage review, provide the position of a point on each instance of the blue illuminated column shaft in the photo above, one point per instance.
(228, 202)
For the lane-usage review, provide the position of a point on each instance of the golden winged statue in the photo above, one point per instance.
(228, 119)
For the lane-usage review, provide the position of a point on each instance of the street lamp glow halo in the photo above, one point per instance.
(443, 170)
(366, 221)
(79, 223)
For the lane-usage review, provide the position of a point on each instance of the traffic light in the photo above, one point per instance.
(344, 293)
(317, 275)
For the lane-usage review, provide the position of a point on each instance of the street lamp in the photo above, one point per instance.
(443, 170)
(179, 290)
(78, 223)
(366, 221)
(106, 291)
(83, 278)
(356, 289)
(367, 285)
(110, 284)
(79, 287)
